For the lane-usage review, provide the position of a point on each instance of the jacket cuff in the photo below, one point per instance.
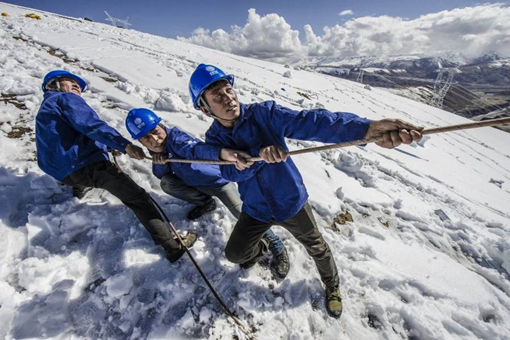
(123, 142)
(359, 128)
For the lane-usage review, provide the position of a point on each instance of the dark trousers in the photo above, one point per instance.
(245, 242)
(227, 194)
(105, 175)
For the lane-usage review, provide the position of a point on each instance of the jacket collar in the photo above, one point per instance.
(49, 94)
(167, 142)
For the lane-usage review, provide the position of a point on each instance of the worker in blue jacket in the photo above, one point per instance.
(72, 144)
(273, 191)
(193, 182)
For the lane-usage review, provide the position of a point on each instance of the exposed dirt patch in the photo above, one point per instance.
(18, 132)
(21, 38)
(109, 105)
(341, 219)
(11, 99)
(69, 61)
(109, 80)
(66, 59)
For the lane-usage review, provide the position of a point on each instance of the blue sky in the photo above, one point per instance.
(286, 31)
(180, 18)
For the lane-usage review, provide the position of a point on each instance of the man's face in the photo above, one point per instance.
(155, 139)
(223, 102)
(69, 85)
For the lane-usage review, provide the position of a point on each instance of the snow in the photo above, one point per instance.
(427, 255)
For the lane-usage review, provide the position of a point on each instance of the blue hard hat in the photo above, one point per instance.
(140, 122)
(203, 76)
(62, 73)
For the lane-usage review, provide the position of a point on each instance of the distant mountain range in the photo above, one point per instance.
(480, 86)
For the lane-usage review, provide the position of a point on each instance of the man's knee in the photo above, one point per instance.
(315, 245)
(236, 254)
(171, 180)
(171, 184)
(122, 187)
(232, 253)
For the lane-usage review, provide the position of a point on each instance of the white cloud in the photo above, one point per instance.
(346, 12)
(471, 31)
(200, 31)
(269, 36)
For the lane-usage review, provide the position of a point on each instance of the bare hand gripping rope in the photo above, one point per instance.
(449, 128)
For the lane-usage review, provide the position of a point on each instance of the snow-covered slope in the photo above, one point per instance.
(427, 255)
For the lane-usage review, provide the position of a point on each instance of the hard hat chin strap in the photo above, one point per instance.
(223, 119)
(203, 103)
(54, 82)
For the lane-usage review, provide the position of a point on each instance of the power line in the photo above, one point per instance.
(441, 88)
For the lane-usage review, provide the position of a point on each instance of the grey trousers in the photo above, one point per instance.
(227, 194)
(245, 242)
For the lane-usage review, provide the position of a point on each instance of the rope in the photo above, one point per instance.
(170, 226)
(449, 128)
(211, 288)
(201, 161)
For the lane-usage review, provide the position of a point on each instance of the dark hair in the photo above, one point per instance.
(216, 85)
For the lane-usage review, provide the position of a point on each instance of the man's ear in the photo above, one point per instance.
(204, 111)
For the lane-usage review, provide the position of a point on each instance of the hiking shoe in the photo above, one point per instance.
(334, 302)
(173, 254)
(79, 192)
(280, 265)
(198, 211)
(190, 239)
(250, 263)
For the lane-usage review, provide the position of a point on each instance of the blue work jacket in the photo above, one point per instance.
(69, 135)
(276, 191)
(180, 145)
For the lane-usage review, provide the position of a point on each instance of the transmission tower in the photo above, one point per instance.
(441, 86)
(111, 19)
(360, 76)
(124, 22)
(117, 22)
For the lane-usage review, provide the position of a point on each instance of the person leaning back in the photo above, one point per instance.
(272, 190)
